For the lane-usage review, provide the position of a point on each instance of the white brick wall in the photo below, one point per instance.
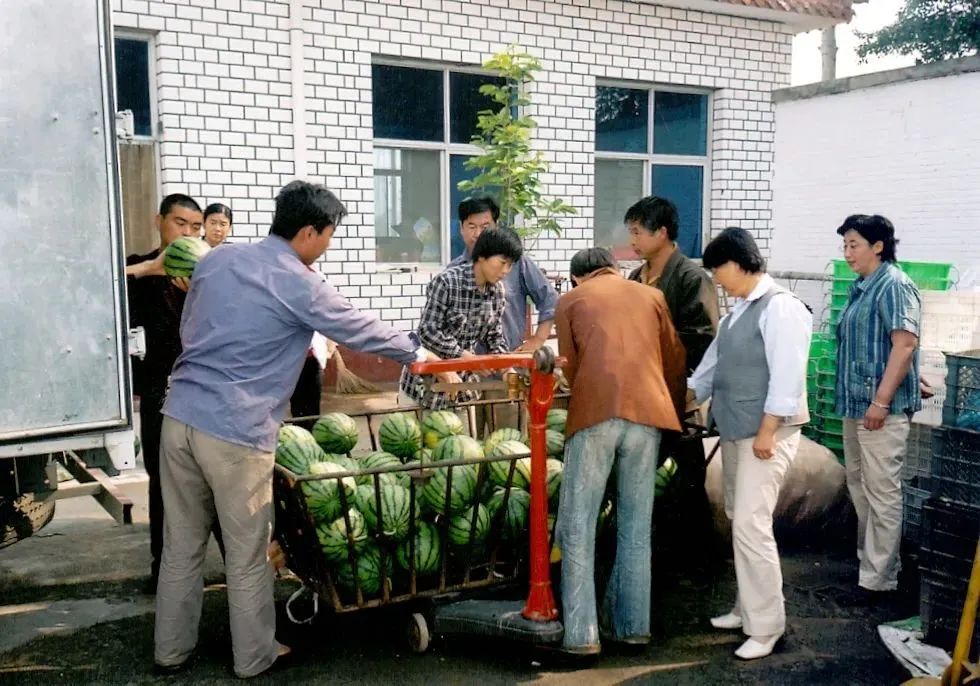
(908, 150)
(224, 101)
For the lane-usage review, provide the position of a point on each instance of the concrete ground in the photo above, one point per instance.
(72, 612)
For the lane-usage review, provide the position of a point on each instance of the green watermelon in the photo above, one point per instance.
(553, 483)
(369, 571)
(336, 432)
(424, 455)
(461, 524)
(347, 463)
(556, 420)
(181, 257)
(333, 536)
(323, 495)
(296, 449)
(457, 448)
(427, 550)
(554, 443)
(499, 436)
(501, 468)
(400, 435)
(440, 424)
(515, 522)
(381, 459)
(395, 511)
(461, 496)
(665, 473)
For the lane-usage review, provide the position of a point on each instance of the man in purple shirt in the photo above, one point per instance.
(246, 326)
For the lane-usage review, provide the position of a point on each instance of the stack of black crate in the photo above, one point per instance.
(951, 517)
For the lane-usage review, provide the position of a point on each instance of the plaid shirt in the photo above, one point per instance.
(877, 305)
(457, 316)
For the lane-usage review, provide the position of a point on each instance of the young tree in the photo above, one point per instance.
(508, 168)
(932, 29)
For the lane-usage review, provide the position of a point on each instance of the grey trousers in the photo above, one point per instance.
(203, 477)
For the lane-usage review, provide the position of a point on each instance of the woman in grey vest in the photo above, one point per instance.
(755, 374)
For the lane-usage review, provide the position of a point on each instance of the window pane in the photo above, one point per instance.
(133, 82)
(406, 205)
(618, 184)
(407, 103)
(465, 101)
(621, 119)
(684, 187)
(680, 123)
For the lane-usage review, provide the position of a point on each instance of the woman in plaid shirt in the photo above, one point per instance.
(464, 307)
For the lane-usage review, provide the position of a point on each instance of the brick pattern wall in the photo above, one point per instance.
(224, 102)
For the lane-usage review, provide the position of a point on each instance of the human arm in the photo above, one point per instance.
(153, 267)
(697, 315)
(786, 327)
(899, 309)
(566, 341)
(702, 380)
(674, 362)
(545, 299)
(495, 341)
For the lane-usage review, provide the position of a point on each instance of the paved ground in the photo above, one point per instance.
(71, 612)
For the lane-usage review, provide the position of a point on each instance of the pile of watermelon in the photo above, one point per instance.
(454, 514)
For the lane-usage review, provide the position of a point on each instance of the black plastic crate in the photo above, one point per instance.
(950, 529)
(940, 608)
(913, 498)
(962, 406)
(918, 452)
(955, 466)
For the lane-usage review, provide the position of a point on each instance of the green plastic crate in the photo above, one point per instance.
(826, 365)
(927, 271)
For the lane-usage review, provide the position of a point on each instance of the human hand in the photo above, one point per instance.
(181, 282)
(530, 345)
(449, 377)
(874, 418)
(764, 445)
(276, 557)
(466, 354)
(925, 389)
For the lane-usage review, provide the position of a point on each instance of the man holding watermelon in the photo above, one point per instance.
(250, 314)
(155, 303)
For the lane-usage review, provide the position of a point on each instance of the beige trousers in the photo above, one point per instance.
(873, 460)
(203, 477)
(751, 491)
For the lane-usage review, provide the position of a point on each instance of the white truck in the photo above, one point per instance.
(64, 338)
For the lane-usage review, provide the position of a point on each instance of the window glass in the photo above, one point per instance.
(680, 123)
(407, 103)
(621, 119)
(618, 184)
(466, 102)
(684, 186)
(133, 82)
(406, 205)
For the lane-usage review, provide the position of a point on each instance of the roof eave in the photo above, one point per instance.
(797, 21)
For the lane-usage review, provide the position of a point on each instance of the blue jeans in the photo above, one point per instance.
(589, 458)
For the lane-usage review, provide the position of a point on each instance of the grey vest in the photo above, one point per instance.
(741, 380)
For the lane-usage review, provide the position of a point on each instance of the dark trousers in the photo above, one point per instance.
(151, 422)
(305, 401)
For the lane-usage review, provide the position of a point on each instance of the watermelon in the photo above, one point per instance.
(553, 473)
(333, 536)
(347, 463)
(296, 449)
(665, 473)
(323, 495)
(499, 436)
(556, 420)
(181, 257)
(501, 468)
(381, 459)
(400, 435)
(554, 443)
(336, 432)
(424, 455)
(461, 525)
(461, 496)
(427, 550)
(395, 511)
(457, 448)
(369, 571)
(515, 518)
(440, 424)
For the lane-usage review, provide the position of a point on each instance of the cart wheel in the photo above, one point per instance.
(417, 633)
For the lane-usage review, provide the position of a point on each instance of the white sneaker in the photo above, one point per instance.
(757, 646)
(727, 621)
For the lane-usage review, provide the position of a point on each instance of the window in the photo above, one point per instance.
(424, 119)
(133, 90)
(650, 141)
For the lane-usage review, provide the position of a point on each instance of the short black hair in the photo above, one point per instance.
(300, 204)
(218, 208)
(734, 245)
(586, 261)
(494, 242)
(873, 228)
(653, 212)
(179, 199)
(472, 206)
